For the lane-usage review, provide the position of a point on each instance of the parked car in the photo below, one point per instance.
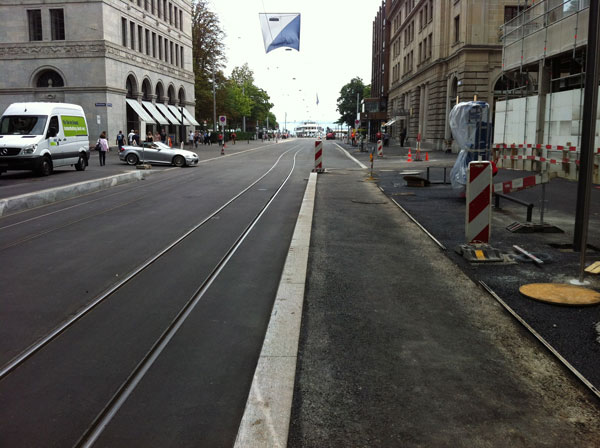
(157, 153)
(330, 136)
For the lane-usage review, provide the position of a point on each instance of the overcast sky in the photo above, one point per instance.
(335, 46)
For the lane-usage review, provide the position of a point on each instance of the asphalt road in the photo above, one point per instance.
(66, 255)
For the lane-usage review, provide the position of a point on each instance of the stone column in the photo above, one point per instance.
(544, 87)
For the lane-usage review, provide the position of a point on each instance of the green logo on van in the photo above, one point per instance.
(74, 126)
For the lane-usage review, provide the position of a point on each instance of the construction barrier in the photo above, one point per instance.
(318, 157)
(563, 161)
(478, 217)
(379, 148)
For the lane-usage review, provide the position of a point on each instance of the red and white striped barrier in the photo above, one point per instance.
(478, 219)
(318, 157)
(521, 184)
(379, 148)
(562, 160)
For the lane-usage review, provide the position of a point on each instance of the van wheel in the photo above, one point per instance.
(45, 168)
(131, 159)
(81, 163)
(178, 161)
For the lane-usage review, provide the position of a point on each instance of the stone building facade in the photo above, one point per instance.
(441, 51)
(103, 55)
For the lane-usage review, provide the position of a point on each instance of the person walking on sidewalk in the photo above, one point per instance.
(120, 140)
(103, 142)
(402, 136)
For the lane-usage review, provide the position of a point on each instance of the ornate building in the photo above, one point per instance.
(441, 51)
(128, 63)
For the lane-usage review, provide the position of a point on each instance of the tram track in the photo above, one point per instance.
(30, 351)
(174, 181)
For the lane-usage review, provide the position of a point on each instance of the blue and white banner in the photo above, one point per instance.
(280, 30)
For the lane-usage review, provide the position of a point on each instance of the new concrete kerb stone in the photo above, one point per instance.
(31, 200)
(266, 418)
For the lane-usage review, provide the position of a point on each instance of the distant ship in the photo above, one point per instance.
(309, 129)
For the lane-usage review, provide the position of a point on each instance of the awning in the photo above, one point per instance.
(154, 112)
(167, 113)
(389, 123)
(190, 117)
(177, 112)
(137, 107)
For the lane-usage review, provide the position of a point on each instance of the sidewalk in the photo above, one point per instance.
(398, 348)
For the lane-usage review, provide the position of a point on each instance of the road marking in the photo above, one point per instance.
(351, 157)
(268, 410)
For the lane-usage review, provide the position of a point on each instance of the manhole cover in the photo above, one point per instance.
(561, 294)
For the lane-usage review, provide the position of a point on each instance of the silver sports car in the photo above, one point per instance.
(157, 153)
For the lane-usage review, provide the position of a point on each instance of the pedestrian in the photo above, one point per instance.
(209, 138)
(191, 138)
(220, 138)
(386, 139)
(163, 136)
(157, 137)
(130, 137)
(103, 149)
(149, 137)
(402, 136)
(196, 139)
(135, 140)
(233, 137)
(120, 140)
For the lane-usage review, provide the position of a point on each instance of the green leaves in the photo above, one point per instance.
(346, 103)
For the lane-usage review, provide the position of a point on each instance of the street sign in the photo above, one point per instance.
(357, 122)
(222, 120)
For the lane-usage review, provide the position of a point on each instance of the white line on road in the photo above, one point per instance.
(268, 410)
(351, 157)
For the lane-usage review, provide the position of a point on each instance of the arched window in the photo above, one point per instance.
(171, 95)
(146, 90)
(131, 86)
(181, 97)
(160, 92)
(49, 79)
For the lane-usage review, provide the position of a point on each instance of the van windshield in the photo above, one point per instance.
(22, 125)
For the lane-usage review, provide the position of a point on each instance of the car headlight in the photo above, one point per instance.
(30, 149)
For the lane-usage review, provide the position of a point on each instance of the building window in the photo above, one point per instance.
(123, 31)
(510, 12)
(152, 7)
(171, 57)
(140, 39)
(165, 16)
(132, 35)
(49, 79)
(153, 45)
(148, 42)
(166, 50)
(34, 17)
(176, 17)
(176, 54)
(457, 28)
(57, 24)
(180, 20)
(160, 48)
(181, 56)
(159, 8)
(420, 52)
(421, 21)
(170, 14)
(429, 45)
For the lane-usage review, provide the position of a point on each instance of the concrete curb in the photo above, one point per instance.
(31, 200)
(266, 419)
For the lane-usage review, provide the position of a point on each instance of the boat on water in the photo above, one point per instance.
(309, 129)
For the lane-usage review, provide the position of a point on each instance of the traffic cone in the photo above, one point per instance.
(409, 156)
(426, 157)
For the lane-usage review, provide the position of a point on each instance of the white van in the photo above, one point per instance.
(42, 136)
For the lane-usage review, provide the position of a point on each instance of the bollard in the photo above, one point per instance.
(318, 157)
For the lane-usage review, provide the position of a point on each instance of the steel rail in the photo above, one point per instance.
(115, 403)
(190, 174)
(40, 343)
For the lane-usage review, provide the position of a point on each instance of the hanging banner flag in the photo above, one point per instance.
(280, 30)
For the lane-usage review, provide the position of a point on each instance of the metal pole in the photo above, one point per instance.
(586, 161)
(244, 117)
(182, 133)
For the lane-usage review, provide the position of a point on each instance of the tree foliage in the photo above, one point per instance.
(346, 102)
(236, 96)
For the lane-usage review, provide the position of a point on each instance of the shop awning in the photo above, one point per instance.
(389, 123)
(167, 113)
(177, 113)
(151, 108)
(190, 117)
(138, 109)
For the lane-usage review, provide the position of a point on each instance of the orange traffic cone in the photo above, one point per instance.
(409, 156)
(426, 157)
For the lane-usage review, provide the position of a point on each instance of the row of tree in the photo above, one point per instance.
(346, 102)
(236, 96)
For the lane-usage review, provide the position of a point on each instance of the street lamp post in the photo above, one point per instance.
(214, 101)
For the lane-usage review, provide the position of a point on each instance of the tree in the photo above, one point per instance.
(346, 103)
(208, 57)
